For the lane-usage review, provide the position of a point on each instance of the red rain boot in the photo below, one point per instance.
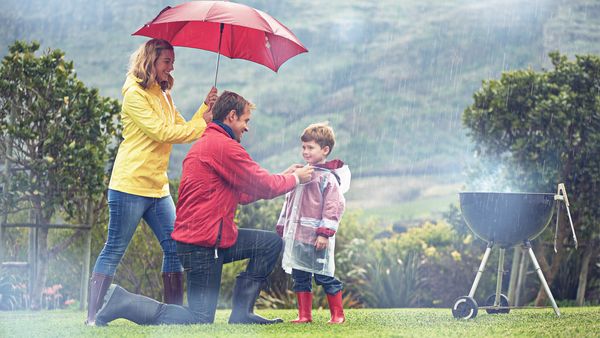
(336, 308)
(304, 308)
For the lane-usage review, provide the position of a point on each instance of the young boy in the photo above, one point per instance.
(308, 223)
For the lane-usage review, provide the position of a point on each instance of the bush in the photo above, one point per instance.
(12, 293)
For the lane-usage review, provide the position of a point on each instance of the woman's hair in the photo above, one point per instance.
(321, 133)
(141, 63)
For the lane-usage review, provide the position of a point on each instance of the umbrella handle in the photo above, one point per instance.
(219, 51)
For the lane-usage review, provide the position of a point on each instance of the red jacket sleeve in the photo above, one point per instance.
(247, 177)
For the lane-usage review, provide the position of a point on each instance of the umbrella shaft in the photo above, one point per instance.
(221, 26)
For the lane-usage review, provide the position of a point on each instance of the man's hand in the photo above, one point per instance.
(321, 242)
(304, 173)
(291, 169)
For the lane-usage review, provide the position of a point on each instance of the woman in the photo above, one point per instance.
(139, 187)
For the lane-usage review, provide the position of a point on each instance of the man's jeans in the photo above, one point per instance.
(126, 211)
(303, 282)
(203, 269)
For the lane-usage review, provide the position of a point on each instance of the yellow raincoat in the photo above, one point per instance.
(151, 125)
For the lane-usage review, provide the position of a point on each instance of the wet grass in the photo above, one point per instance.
(574, 322)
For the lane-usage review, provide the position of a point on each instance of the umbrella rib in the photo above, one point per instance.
(271, 57)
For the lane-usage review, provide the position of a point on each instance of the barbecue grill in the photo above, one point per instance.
(505, 220)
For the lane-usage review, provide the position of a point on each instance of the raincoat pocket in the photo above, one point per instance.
(307, 258)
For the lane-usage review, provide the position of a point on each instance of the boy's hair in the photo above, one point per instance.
(142, 63)
(321, 133)
(227, 102)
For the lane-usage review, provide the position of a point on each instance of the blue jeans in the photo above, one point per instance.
(203, 270)
(303, 282)
(126, 211)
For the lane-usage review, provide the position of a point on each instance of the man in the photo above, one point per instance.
(217, 174)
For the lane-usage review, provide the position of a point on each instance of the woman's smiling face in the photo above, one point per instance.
(164, 65)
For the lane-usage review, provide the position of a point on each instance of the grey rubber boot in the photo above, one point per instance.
(245, 293)
(119, 303)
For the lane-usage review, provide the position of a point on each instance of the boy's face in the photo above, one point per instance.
(313, 153)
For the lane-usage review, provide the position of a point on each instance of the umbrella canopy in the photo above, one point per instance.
(234, 30)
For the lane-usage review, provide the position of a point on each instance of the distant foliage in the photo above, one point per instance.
(13, 295)
(56, 135)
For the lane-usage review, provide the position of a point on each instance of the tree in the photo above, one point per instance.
(56, 136)
(545, 127)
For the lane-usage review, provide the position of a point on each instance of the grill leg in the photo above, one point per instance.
(541, 276)
(486, 255)
(499, 279)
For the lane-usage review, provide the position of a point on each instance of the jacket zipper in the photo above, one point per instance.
(218, 239)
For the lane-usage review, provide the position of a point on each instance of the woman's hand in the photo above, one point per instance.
(211, 97)
(208, 115)
(210, 100)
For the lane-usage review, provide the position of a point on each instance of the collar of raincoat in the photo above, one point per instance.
(331, 165)
(134, 81)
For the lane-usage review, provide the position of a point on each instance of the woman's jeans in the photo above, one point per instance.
(126, 211)
(303, 282)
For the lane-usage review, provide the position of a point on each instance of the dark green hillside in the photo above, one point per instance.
(392, 77)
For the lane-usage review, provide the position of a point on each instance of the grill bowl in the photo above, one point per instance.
(507, 219)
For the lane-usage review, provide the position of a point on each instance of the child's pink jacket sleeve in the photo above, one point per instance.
(333, 208)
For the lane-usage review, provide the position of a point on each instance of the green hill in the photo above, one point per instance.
(392, 77)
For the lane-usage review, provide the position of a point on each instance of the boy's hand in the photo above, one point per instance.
(321, 243)
(304, 173)
(291, 169)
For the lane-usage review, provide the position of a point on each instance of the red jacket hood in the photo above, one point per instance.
(331, 165)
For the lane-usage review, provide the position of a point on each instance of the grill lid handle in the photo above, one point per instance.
(561, 195)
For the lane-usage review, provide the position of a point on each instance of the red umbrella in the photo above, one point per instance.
(234, 30)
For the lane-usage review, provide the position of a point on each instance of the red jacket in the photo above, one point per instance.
(218, 174)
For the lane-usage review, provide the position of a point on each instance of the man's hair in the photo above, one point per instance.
(227, 102)
(142, 63)
(321, 133)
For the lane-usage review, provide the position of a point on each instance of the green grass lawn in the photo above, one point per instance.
(574, 322)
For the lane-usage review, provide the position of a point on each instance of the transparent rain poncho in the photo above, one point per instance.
(311, 209)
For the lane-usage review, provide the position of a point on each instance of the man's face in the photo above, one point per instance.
(239, 124)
